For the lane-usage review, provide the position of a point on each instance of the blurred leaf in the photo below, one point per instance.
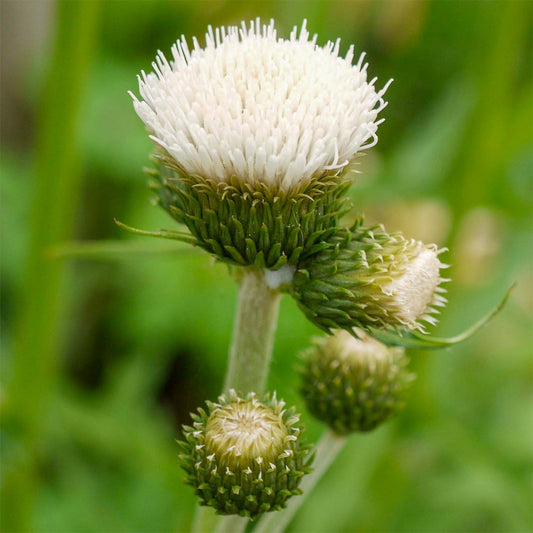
(115, 249)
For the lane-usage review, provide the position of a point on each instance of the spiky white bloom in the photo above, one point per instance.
(417, 292)
(260, 108)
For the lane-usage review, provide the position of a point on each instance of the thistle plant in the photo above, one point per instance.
(255, 137)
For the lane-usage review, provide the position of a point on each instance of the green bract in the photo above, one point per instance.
(245, 456)
(252, 223)
(354, 384)
(368, 278)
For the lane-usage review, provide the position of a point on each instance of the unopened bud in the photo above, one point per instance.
(367, 278)
(245, 456)
(354, 383)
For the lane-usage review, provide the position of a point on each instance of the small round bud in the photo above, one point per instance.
(354, 384)
(369, 278)
(245, 456)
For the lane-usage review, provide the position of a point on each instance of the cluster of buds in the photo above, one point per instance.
(255, 137)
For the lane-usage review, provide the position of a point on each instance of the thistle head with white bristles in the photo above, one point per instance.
(260, 109)
(254, 135)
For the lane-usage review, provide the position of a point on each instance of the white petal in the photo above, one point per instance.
(258, 107)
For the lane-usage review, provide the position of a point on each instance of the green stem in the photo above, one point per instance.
(253, 335)
(109, 249)
(204, 520)
(327, 450)
(249, 363)
(232, 524)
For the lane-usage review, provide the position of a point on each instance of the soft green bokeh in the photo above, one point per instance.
(106, 350)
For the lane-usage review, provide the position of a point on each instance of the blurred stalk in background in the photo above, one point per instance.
(54, 204)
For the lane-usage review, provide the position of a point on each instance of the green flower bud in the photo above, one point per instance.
(354, 384)
(251, 223)
(245, 456)
(368, 278)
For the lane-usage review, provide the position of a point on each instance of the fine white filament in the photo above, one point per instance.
(417, 291)
(259, 108)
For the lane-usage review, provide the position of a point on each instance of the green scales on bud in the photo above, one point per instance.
(245, 456)
(368, 278)
(251, 224)
(354, 384)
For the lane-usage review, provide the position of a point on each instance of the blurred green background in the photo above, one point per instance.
(107, 346)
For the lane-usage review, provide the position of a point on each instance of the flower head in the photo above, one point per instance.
(354, 384)
(257, 108)
(369, 278)
(245, 456)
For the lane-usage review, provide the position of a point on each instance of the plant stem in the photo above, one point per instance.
(326, 451)
(248, 366)
(253, 335)
(204, 520)
(232, 524)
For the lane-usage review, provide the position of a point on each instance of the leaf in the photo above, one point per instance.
(162, 233)
(417, 341)
(109, 249)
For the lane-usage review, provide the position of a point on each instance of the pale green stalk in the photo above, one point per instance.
(327, 450)
(248, 366)
(253, 335)
(231, 524)
(204, 520)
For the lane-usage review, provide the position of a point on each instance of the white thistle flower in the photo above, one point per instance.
(260, 109)
(246, 429)
(416, 292)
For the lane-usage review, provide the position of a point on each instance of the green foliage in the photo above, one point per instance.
(141, 339)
